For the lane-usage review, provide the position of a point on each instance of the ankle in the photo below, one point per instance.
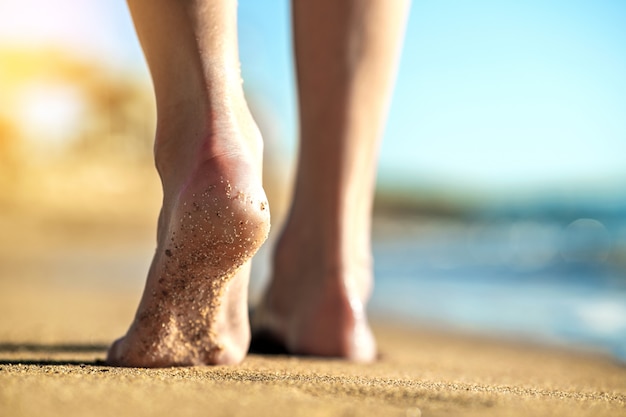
(330, 242)
(194, 136)
(343, 269)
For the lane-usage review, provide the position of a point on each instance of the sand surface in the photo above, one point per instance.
(60, 306)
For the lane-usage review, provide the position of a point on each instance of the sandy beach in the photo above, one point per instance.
(502, 152)
(55, 328)
(69, 284)
(52, 347)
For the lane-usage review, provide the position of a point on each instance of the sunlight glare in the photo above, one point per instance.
(51, 114)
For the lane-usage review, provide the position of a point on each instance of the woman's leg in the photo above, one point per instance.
(215, 215)
(346, 55)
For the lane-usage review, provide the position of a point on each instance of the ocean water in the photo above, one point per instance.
(556, 281)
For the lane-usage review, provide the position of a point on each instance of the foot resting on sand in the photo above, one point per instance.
(315, 303)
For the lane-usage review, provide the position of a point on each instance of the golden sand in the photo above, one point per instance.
(64, 296)
(53, 336)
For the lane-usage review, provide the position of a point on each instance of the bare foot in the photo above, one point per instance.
(214, 218)
(314, 308)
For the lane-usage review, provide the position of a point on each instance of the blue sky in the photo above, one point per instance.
(492, 96)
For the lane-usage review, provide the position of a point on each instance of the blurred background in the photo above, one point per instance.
(501, 197)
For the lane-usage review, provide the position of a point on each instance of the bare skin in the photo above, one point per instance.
(215, 215)
(323, 277)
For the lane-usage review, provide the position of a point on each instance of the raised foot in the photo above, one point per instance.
(193, 310)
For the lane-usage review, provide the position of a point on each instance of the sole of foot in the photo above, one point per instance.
(194, 307)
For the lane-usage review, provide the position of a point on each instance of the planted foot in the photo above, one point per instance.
(311, 309)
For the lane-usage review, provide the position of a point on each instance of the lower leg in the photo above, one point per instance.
(214, 215)
(346, 55)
